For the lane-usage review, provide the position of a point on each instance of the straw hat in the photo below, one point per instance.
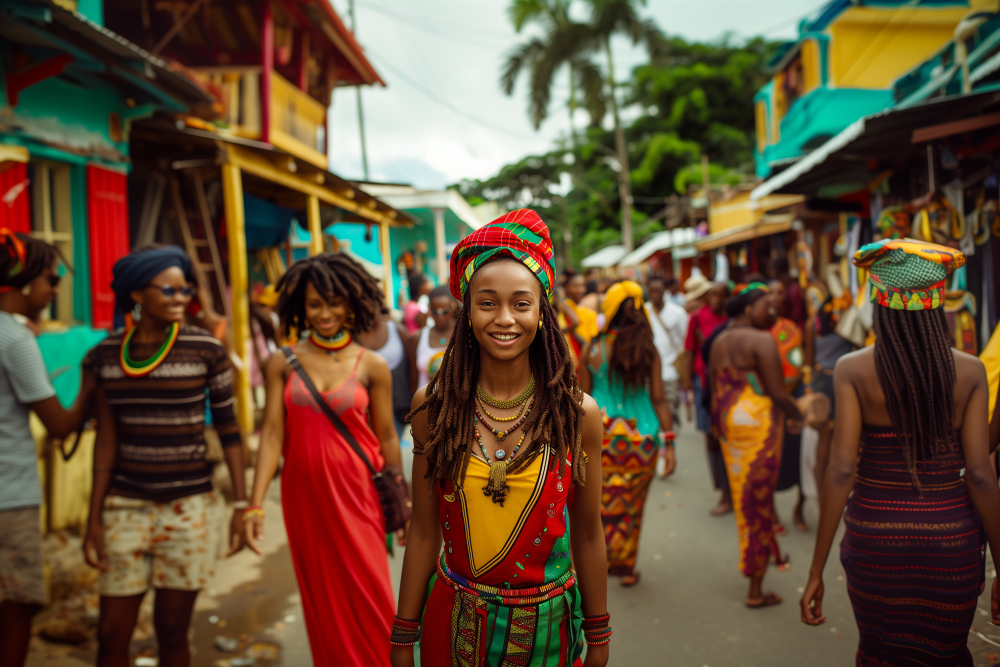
(696, 287)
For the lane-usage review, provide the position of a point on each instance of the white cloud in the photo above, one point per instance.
(443, 116)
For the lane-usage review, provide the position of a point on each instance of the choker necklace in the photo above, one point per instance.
(509, 404)
(332, 345)
(502, 419)
(138, 369)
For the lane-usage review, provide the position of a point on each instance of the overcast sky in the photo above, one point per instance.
(442, 116)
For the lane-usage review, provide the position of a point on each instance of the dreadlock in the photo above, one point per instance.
(333, 275)
(556, 418)
(630, 363)
(38, 257)
(919, 388)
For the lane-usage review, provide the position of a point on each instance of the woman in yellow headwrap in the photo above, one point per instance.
(624, 380)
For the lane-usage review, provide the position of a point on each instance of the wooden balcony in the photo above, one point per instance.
(295, 122)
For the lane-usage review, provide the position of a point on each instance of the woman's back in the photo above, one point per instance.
(611, 393)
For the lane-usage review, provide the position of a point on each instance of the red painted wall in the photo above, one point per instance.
(15, 211)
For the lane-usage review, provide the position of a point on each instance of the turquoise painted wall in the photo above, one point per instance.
(58, 112)
(92, 9)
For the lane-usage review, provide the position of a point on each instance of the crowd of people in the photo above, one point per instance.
(540, 408)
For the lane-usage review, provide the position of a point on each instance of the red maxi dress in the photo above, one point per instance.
(335, 527)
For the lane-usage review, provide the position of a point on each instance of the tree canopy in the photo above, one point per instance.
(690, 99)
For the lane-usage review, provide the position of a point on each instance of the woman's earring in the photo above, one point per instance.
(349, 324)
(539, 324)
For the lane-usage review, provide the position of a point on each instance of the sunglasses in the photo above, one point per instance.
(170, 290)
(442, 311)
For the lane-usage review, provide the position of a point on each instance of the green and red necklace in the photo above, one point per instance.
(332, 345)
(138, 369)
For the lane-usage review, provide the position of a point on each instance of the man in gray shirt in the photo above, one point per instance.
(28, 283)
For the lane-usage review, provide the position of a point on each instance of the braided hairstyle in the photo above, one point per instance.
(333, 275)
(15, 271)
(630, 363)
(556, 417)
(919, 387)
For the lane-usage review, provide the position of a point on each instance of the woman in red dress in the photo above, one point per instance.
(331, 508)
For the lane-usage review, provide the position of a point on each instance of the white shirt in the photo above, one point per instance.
(669, 331)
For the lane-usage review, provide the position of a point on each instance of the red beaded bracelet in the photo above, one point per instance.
(404, 632)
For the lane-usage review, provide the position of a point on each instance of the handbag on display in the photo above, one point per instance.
(393, 492)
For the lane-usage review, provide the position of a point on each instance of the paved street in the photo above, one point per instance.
(687, 610)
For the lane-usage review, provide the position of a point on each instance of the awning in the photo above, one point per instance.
(658, 243)
(605, 258)
(282, 177)
(770, 224)
(9, 153)
(882, 140)
(420, 204)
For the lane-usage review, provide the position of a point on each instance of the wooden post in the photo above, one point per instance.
(387, 264)
(315, 227)
(439, 242)
(267, 66)
(232, 195)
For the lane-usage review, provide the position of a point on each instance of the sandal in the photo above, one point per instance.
(629, 580)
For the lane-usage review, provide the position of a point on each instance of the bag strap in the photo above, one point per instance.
(338, 424)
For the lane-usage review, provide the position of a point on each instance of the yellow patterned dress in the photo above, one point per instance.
(628, 459)
(751, 433)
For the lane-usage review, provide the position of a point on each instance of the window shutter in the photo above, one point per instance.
(107, 219)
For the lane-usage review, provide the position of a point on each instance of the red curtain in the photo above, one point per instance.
(107, 212)
(15, 212)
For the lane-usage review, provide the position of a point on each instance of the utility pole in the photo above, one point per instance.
(361, 112)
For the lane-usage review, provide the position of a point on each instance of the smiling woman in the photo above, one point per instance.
(502, 434)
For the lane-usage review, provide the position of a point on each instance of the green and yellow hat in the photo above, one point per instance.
(908, 275)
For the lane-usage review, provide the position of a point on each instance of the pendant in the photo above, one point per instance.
(450, 498)
(500, 454)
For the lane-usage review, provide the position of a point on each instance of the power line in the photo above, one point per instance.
(437, 22)
(412, 21)
(437, 100)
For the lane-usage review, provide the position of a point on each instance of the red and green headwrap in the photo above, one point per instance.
(520, 234)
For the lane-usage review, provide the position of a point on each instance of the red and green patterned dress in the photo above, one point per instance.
(505, 593)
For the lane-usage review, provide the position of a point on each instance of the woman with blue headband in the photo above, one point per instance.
(910, 461)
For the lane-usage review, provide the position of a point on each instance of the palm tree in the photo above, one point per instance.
(610, 18)
(573, 45)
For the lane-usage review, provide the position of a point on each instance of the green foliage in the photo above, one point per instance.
(690, 99)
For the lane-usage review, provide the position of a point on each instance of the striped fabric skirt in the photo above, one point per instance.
(914, 561)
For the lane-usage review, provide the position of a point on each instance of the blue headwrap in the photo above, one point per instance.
(135, 270)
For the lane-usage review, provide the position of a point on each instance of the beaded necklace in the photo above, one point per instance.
(333, 345)
(497, 433)
(502, 419)
(138, 369)
(498, 404)
(496, 486)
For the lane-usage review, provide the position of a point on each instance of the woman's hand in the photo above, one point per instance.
(401, 535)
(669, 454)
(401, 656)
(237, 534)
(253, 531)
(812, 602)
(597, 656)
(93, 546)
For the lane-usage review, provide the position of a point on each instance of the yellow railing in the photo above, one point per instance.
(297, 122)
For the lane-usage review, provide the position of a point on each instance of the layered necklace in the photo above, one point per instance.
(497, 487)
(138, 369)
(332, 345)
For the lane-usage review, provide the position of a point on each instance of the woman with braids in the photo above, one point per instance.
(624, 380)
(29, 281)
(331, 506)
(748, 395)
(511, 450)
(912, 444)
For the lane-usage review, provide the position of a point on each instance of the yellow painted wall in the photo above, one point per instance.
(870, 47)
(760, 116)
(741, 210)
(66, 485)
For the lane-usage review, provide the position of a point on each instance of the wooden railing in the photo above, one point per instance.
(296, 119)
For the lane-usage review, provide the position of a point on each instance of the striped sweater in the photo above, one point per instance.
(160, 418)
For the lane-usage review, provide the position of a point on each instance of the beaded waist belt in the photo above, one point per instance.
(510, 597)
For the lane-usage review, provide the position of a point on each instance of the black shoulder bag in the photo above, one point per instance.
(389, 482)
